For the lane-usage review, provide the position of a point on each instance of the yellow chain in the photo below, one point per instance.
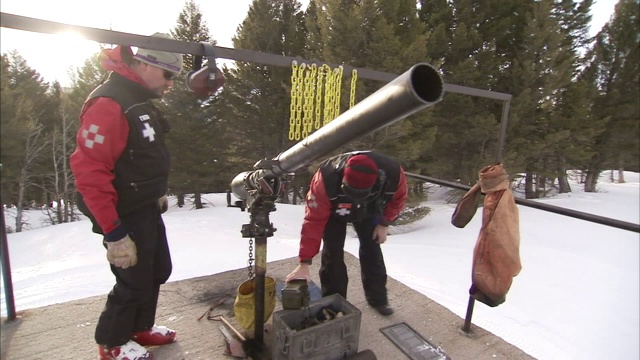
(328, 96)
(338, 89)
(307, 107)
(318, 109)
(299, 87)
(292, 106)
(352, 95)
(309, 97)
(305, 103)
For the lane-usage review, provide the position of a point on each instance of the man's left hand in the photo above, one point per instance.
(122, 253)
(380, 234)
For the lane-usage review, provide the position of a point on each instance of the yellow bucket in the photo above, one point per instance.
(244, 306)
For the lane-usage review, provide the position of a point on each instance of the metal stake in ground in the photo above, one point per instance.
(262, 202)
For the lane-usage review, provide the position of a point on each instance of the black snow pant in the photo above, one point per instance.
(333, 271)
(131, 304)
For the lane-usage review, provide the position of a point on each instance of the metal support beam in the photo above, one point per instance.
(503, 131)
(115, 37)
(624, 225)
(6, 268)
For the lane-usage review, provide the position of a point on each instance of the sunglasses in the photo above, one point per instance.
(357, 194)
(168, 75)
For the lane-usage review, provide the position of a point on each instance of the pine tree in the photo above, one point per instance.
(410, 138)
(256, 98)
(615, 61)
(573, 107)
(313, 30)
(197, 137)
(544, 70)
(466, 127)
(25, 111)
(576, 113)
(574, 18)
(381, 35)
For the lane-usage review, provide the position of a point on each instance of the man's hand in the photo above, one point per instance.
(122, 253)
(300, 272)
(163, 204)
(380, 234)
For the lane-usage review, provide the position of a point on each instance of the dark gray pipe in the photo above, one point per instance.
(419, 87)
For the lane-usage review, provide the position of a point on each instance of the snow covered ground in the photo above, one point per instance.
(577, 297)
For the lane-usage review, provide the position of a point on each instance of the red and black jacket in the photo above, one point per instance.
(121, 163)
(325, 199)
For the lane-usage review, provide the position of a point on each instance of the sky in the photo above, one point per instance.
(44, 52)
(577, 296)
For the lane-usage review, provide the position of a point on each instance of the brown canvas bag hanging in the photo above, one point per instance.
(496, 255)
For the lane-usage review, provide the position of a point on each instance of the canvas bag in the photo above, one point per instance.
(496, 255)
(244, 306)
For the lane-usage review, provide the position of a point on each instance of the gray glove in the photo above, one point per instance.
(122, 253)
(163, 204)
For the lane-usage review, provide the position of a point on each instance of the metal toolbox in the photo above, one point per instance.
(334, 339)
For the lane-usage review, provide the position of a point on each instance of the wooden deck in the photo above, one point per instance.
(65, 331)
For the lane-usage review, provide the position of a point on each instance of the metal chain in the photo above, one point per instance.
(337, 83)
(250, 261)
(352, 95)
(299, 92)
(292, 107)
(308, 97)
(328, 96)
(318, 107)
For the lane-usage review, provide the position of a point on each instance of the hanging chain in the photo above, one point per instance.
(337, 83)
(292, 107)
(308, 97)
(352, 95)
(318, 106)
(250, 261)
(299, 92)
(328, 95)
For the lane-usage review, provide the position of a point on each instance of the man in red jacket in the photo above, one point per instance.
(367, 189)
(121, 169)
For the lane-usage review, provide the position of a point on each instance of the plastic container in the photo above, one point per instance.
(331, 340)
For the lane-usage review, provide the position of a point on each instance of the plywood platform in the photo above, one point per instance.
(65, 331)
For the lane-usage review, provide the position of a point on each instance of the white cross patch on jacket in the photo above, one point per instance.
(148, 132)
(343, 209)
(311, 201)
(91, 136)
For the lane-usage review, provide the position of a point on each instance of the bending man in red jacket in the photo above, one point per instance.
(367, 189)
(121, 168)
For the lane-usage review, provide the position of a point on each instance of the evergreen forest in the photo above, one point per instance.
(575, 105)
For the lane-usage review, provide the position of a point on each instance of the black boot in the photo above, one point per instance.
(384, 310)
